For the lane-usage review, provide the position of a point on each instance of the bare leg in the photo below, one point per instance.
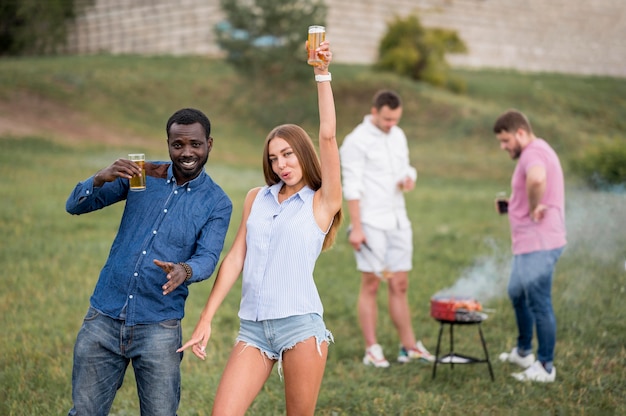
(399, 308)
(367, 307)
(245, 373)
(303, 369)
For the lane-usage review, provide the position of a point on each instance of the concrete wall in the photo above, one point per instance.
(565, 36)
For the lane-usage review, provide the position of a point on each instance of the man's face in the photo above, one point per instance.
(189, 150)
(509, 142)
(386, 118)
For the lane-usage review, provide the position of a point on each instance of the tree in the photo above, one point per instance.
(266, 37)
(29, 27)
(409, 49)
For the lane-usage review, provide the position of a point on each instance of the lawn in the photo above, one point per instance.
(51, 260)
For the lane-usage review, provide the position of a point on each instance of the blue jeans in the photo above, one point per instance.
(103, 349)
(530, 291)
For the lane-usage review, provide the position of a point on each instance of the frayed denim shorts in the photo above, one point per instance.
(272, 337)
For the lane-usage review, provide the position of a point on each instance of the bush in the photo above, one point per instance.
(411, 50)
(266, 37)
(603, 166)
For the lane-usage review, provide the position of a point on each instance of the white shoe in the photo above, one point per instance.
(536, 372)
(514, 358)
(374, 356)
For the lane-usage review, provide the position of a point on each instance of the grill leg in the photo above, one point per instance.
(437, 350)
(482, 340)
(452, 345)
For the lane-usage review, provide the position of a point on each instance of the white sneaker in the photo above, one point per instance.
(514, 358)
(419, 352)
(536, 372)
(374, 356)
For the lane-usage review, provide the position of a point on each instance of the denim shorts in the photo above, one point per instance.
(273, 336)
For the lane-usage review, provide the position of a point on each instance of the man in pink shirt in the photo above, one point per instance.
(536, 212)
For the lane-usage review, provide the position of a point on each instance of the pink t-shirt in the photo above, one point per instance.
(549, 233)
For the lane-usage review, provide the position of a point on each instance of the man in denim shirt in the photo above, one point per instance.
(171, 235)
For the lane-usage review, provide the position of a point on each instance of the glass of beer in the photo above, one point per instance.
(317, 34)
(138, 182)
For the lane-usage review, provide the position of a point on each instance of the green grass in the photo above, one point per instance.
(51, 260)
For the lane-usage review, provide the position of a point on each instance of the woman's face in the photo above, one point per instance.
(284, 162)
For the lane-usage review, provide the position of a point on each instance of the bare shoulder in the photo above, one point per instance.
(252, 193)
(250, 197)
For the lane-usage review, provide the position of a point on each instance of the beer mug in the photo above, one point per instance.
(138, 182)
(317, 34)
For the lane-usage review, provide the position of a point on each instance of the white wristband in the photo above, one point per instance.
(322, 78)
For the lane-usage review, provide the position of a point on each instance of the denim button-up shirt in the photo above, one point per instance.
(168, 222)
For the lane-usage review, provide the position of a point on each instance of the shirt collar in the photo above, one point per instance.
(274, 189)
(367, 120)
(189, 185)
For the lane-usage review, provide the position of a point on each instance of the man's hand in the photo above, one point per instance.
(121, 168)
(356, 238)
(538, 213)
(176, 275)
(406, 185)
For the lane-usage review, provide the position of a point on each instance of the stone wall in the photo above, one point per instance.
(564, 36)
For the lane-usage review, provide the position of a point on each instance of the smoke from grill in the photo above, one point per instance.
(595, 223)
(486, 279)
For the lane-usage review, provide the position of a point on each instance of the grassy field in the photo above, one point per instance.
(51, 260)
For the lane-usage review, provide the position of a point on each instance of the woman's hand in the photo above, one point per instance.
(198, 341)
(326, 55)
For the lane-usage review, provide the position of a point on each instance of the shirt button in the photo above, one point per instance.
(135, 274)
(144, 252)
(87, 192)
(130, 297)
(165, 210)
(175, 192)
(154, 232)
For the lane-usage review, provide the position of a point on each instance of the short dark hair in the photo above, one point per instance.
(510, 121)
(188, 116)
(387, 98)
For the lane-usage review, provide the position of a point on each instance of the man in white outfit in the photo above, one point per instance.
(376, 171)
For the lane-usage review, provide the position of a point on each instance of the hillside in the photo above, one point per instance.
(125, 100)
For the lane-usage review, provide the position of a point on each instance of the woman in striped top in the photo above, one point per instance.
(285, 226)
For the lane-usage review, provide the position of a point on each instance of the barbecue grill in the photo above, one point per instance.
(455, 310)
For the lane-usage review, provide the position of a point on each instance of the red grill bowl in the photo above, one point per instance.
(445, 308)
